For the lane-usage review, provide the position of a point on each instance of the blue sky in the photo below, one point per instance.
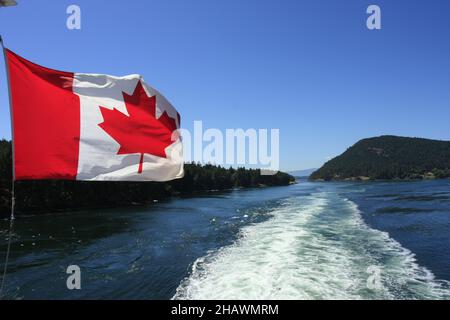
(310, 68)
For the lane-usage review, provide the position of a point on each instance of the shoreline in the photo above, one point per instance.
(176, 196)
(356, 179)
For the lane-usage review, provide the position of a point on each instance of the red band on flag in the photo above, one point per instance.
(46, 121)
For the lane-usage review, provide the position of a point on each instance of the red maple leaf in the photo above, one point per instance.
(140, 132)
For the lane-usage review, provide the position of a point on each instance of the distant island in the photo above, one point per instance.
(302, 173)
(58, 195)
(389, 158)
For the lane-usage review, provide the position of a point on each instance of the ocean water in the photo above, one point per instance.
(377, 240)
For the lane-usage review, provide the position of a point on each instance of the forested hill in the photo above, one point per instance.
(50, 196)
(389, 157)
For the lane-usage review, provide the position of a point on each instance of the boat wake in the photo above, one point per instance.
(313, 247)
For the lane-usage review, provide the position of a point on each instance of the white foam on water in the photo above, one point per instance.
(314, 247)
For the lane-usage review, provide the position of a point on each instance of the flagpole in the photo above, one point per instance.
(13, 198)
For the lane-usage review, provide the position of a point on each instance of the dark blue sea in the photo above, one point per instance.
(377, 240)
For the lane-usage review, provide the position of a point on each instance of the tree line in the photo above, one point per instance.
(57, 195)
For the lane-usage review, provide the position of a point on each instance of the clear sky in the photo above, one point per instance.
(310, 68)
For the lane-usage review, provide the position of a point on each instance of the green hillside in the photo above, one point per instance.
(389, 157)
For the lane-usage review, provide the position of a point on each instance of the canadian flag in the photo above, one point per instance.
(78, 126)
